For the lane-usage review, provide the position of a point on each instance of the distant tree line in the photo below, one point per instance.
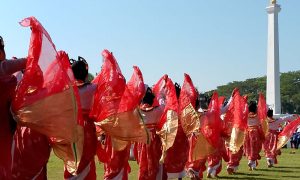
(289, 86)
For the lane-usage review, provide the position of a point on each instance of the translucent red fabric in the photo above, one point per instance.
(45, 75)
(115, 107)
(111, 86)
(113, 95)
(211, 123)
(46, 99)
(221, 100)
(188, 94)
(159, 90)
(134, 92)
(261, 107)
(287, 133)
(171, 102)
(240, 111)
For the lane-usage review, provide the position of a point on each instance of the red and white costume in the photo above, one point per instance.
(148, 155)
(86, 168)
(253, 140)
(270, 143)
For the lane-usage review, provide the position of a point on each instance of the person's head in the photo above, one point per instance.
(80, 68)
(252, 107)
(178, 89)
(270, 113)
(2, 51)
(149, 97)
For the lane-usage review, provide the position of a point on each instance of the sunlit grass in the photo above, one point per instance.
(288, 168)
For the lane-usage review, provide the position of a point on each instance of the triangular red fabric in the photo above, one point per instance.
(45, 78)
(158, 88)
(171, 102)
(111, 85)
(287, 133)
(134, 92)
(115, 107)
(261, 107)
(221, 101)
(188, 94)
(211, 124)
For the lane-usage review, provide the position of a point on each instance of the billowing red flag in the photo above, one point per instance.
(115, 107)
(262, 113)
(211, 124)
(46, 99)
(168, 124)
(240, 114)
(287, 133)
(187, 100)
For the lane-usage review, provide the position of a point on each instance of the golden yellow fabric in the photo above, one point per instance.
(202, 148)
(189, 120)
(282, 140)
(126, 126)
(168, 132)
(236, 139)
(119, 145)
(70, 153)
(265, 127)
(56, 117)
(44, 115)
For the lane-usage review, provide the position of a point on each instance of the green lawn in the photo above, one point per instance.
(288, 168)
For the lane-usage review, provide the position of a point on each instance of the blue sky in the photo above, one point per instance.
(215, 41)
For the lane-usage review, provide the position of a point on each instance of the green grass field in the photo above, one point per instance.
(288, 168)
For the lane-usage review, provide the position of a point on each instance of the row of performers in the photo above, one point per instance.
(56, 109)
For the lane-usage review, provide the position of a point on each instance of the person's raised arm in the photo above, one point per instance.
(8, 67)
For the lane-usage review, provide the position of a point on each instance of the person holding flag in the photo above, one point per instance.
(8, 84)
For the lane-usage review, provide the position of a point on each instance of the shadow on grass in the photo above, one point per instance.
(287, 167)
(275, 170)
(246, 176)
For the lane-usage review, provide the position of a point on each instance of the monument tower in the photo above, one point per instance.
(273, 74)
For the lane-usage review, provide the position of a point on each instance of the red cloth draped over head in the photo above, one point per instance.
(287, 133)
(211, 123)
(115, 103)
(261, 107)
(188, 94)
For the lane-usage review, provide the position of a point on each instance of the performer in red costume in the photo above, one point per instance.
(270, 144)
(8, 83)
(148, 155)
(176, 158)
(116, 166)
(86, 168)
(254, 137)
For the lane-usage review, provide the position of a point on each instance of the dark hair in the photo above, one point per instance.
(252, 107)
(197, 103)
(1, 43)
(178, 89)
(80, 68)
(149, 97)
(270, 113)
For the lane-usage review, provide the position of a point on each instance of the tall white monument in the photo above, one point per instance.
(273, 74)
